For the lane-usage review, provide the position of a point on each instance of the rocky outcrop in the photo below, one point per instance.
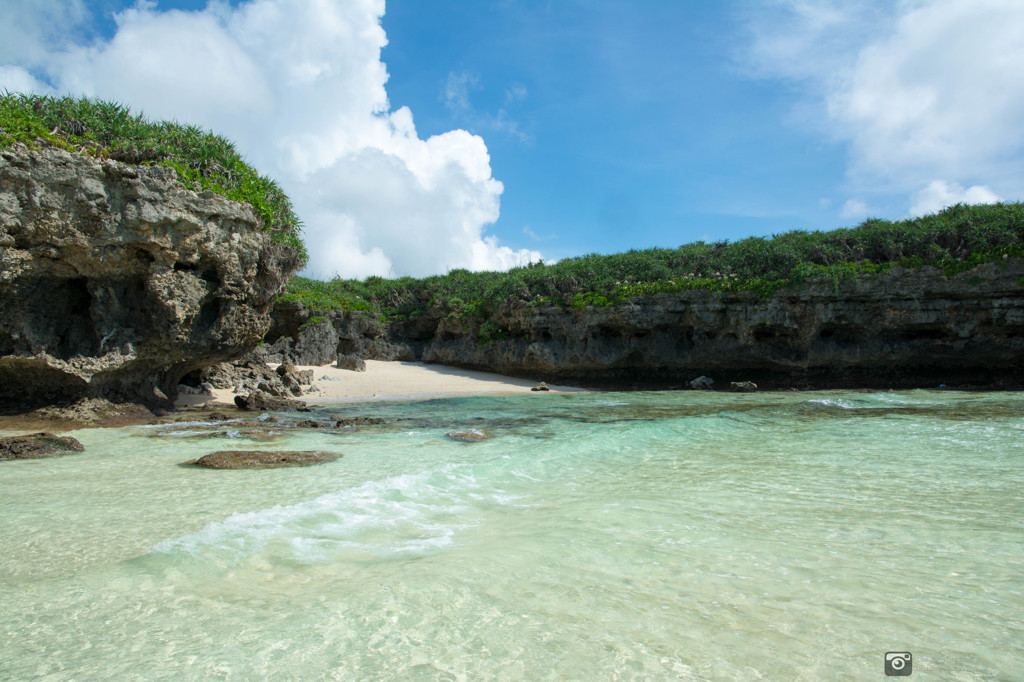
(37, 446)
(115, 282)
(250, 375)
(260, 401)
(353, 363)
(703, 383)
(297, 337)
(310, 337)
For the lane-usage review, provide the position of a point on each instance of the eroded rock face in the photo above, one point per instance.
(314, 342)
(353, 363)
(115, 282)
(901, 328)
(260, 401)
(309, 337)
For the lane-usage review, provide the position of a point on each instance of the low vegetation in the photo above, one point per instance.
(954, 240)
(202, 160)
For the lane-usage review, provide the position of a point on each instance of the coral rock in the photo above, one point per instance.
(116, 282)
(262, 459)
(37, 446)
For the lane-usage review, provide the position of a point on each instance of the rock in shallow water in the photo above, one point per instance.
(471, 436)
(37, 446)
(263, 459)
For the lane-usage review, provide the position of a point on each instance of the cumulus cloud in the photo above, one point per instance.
(939, 194)
(300, 87)
(917, 90)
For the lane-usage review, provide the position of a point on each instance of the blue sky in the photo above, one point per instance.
(416, 137)
(614, 125)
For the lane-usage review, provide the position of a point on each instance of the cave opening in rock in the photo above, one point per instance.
(208, 314)
(69, 306)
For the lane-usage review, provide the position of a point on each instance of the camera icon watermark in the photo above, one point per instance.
(898, 663)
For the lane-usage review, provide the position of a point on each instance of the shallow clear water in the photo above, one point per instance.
(662, 536)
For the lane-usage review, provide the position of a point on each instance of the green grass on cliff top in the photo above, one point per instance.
(953, 240)
(202, 160)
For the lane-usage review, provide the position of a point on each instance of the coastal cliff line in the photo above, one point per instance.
(900, 328)
(913, 303)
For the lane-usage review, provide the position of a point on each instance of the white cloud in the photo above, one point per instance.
(299, 86)
(916, 89)
(18, 79)
(939, 194)
(941, 95)
(456, 91)
(854, 208)
(33, 28)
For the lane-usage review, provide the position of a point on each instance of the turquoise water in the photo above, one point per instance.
(615, 536)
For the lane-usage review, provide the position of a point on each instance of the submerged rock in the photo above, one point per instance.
(37, 446)
(471, 436)
(342, 423)
(346, 422)
(263, 459)
(313, 424)
(116, 281)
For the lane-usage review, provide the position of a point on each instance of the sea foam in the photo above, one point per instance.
(401, 515)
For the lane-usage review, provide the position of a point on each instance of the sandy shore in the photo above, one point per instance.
(399, 381)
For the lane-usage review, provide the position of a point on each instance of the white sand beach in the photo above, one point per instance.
(399, 381)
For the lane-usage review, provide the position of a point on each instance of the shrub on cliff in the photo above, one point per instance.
(202, 160)
(954, 240)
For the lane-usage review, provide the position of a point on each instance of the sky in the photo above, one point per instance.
(418, 137)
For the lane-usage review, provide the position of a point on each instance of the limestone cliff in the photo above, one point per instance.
(901, 328)
(904, 327)
(115, 281)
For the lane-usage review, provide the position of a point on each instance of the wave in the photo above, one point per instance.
(410, 514)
